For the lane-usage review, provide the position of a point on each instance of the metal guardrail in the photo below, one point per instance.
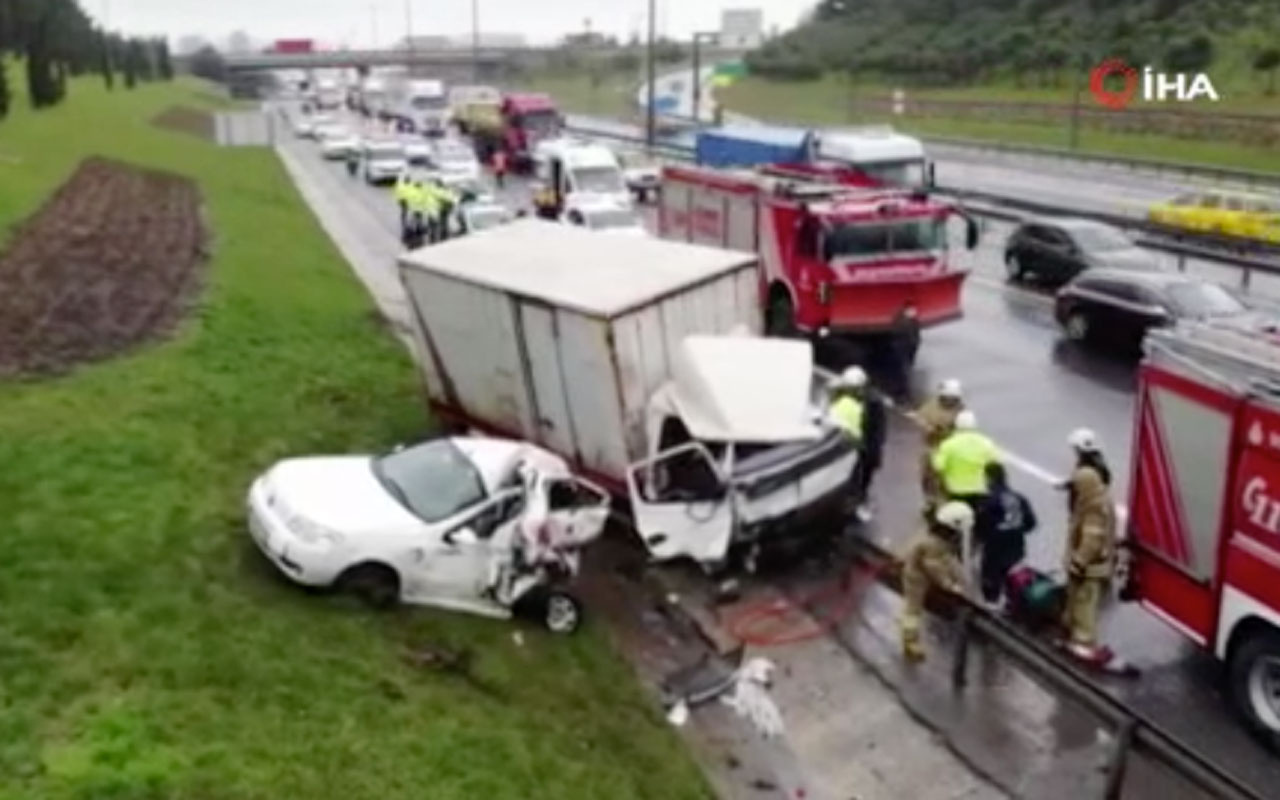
(1186, 168)
(1134, 731)
(1013, 209)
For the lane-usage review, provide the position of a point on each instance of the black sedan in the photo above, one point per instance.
(1116, 307)
(1056, 250)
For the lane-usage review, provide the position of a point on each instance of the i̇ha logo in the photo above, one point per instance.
(1156, 86)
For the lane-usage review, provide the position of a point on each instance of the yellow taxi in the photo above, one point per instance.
(1250, 216)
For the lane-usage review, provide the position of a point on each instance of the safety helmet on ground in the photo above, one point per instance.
(955, 515)
(966, 421)
(1084, 440)
(950, 388)
(853, 378)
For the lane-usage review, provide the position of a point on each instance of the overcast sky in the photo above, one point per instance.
(352, 21)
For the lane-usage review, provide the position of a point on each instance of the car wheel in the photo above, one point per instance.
(1254, 678)
(1077, 326)
(1013, 266)
(378, 585)
(561, 612)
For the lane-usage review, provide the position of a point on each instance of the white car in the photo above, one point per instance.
(456, 161)
(384, 161)
(417, 150)
(336, 141)
(483, 213)
(606, 216)
(489, 526)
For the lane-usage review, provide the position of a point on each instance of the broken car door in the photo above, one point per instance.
(682, 504)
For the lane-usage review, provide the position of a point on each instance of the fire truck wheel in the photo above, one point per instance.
(780, 319)
(1254, 675)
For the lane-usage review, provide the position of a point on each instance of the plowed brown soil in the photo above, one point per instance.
(111, 260)
(186, 120)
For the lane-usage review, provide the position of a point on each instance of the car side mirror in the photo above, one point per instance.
(971, 234)
(930, 175)
(461, 536)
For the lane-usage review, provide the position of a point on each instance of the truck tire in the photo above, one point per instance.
(780, 316)
(1254, 682)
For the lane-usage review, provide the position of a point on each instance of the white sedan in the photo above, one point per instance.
(337, 141)
(444, 523)
(607, 217)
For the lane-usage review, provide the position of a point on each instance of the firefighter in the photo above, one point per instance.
(961, 461)
(1090, 559)
(846, 412)
(1001, 529)
(1084, 444)
(936, 417)
(932, 559)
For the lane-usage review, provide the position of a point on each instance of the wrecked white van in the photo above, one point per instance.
(638, 363)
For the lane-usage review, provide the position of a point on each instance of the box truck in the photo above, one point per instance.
(640, 365)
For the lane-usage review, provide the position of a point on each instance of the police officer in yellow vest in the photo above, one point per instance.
(846, 412)
(427, 210)
(403, 193)
(446, 201)
(961, 461)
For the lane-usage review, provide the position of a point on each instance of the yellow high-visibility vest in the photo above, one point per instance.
(961, 462)
(846, 412)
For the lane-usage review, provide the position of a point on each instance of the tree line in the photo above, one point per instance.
(965, 41)
(53, 40)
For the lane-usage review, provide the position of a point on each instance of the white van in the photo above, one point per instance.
(574, 168)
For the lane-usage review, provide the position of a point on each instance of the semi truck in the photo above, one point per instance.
(862, 269)
(641, 366)
(420, 105)
(1202, 545)
(871, 156)
(328, 94)
(474, 106)
(523, 120)
(371, 97)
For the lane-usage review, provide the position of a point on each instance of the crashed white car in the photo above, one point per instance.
(483, 213)
(488, 526)
(337, 141)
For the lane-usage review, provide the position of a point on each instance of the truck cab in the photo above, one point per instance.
(528, 119)
(577, 170)
(741, 456)
(872, 267)
(425, 107)
(1202, 549)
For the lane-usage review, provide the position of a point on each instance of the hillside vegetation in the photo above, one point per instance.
(1027, 42)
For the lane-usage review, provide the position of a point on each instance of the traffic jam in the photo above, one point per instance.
(736, 346)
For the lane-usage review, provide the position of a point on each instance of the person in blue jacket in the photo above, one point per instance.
(1004, 520)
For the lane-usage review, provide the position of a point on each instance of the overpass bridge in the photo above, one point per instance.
(488, 59)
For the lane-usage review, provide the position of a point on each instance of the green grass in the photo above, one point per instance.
(146, 650)
(829, 102)
(613, 95)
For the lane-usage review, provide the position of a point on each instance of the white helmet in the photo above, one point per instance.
(950, 388)
(955, 515)
(853, 377)
(966, 421)
(1084, 440)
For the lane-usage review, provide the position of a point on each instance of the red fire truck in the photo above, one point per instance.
(868, 265)
(1203, 544)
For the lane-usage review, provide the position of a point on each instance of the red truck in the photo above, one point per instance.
(520, 122)
(869, 266)
(1202, 550)
(293, 46)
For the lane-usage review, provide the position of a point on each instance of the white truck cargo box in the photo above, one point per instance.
(561, 335)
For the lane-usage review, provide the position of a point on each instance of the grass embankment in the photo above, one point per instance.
(610, 94)
(832, 101)
(146, 651)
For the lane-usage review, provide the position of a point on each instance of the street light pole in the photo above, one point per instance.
(651, 128)
(698, 36)
(475, 40)
(408, 28)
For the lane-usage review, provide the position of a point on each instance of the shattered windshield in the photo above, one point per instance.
(433, 480)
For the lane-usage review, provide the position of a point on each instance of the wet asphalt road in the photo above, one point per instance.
(1029, 390)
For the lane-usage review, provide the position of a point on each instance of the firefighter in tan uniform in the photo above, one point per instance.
(932, 559)
(936, 419)
(1090, 559)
